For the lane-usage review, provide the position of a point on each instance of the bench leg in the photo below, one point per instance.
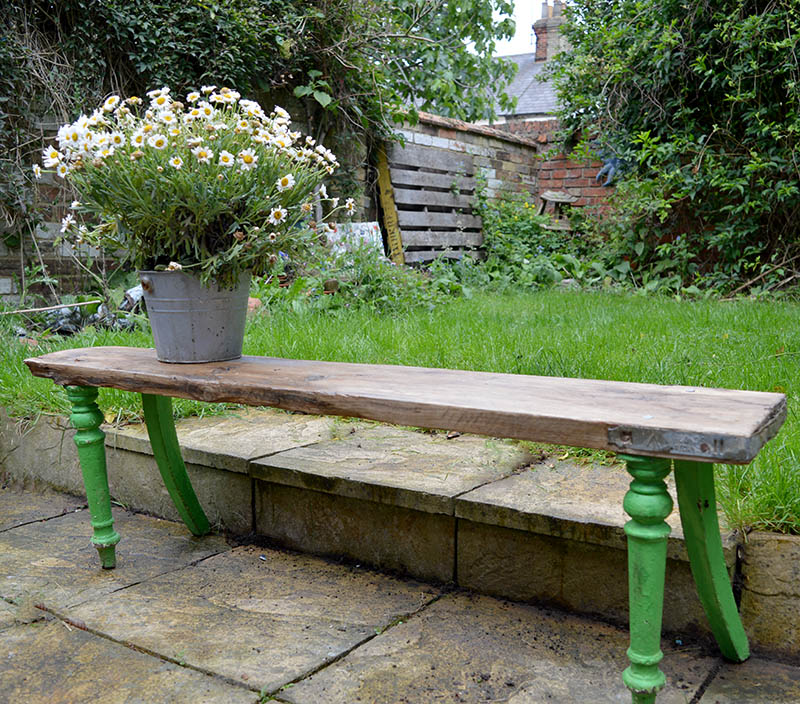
(698, 508)
(167, 452)
(90, 441)
(647, 503)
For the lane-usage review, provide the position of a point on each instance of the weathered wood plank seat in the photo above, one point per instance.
(651, 426)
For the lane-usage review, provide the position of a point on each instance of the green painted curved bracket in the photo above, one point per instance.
(167, 453)
(698, 508)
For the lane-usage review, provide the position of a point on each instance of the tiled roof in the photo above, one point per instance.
(534, 97)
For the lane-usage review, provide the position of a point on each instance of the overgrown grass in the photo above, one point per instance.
(738, 344)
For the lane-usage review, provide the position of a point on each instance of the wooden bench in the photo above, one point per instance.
(652, 427)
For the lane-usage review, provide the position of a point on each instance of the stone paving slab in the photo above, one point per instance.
(756, 681)
(54, 562)
(18, 507)
(573, 501)
(230, 442)
(8, 614)
(470, 648)
(264, 622)
(395, 466)
(52, 663)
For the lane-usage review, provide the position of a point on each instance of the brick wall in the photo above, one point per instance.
(556, 171)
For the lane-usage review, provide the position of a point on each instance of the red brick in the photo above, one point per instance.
(559, 173)
(597, 191)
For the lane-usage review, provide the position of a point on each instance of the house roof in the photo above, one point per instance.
(534, 97)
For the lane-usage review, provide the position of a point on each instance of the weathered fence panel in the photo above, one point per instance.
(433, 193)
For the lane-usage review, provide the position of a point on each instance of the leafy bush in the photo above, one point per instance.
(357, 277)
(702, 101)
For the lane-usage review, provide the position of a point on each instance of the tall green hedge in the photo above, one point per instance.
(701, 100)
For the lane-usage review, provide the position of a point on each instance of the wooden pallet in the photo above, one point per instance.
(433, 195)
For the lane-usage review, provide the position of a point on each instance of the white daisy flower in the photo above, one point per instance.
(335, 202)
(194, 141)
(75, 205)
(226, 159)
(174, 131)
(134, 100)
(161, 102)
(111, 102)
(67, 222)
(157, 141)
(203, 154)
(285, 182)
(176, 162)
(137, 139)
(280, 112)
(350, 206)
(174, 266)
(307, 207)
(167, 117)
(277, 216)
(117, 139)
(208, 89)
(247, 159)
(193, 97)
(323, 192)
(51, 157)
(153, 93)
(206, 109)
(37, 171)
(62, 170)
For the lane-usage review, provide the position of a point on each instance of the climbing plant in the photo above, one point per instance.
(701, 100)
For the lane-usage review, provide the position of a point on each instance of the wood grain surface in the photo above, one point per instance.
(663, 421)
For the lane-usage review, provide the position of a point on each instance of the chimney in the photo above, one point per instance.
(549, 41)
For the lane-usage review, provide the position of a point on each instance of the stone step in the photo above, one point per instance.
(477, 512)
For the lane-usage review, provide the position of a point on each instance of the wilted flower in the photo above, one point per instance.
(67, 222)
(174, 266)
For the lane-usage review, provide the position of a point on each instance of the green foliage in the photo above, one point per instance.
(355, 66)
(356, 277)
(702, 100)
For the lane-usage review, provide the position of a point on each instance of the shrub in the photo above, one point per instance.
(702, 100)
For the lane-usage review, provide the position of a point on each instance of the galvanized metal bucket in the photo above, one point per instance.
(194, 323)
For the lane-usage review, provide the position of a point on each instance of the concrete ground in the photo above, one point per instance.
(198, 620)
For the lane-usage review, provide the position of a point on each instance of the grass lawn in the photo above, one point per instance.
(738, 345)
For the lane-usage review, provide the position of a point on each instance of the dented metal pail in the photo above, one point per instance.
(194, 323)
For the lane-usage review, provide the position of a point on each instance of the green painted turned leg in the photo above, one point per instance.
(698, 508)
(90, 440)
(648, 504)
(167, 452)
